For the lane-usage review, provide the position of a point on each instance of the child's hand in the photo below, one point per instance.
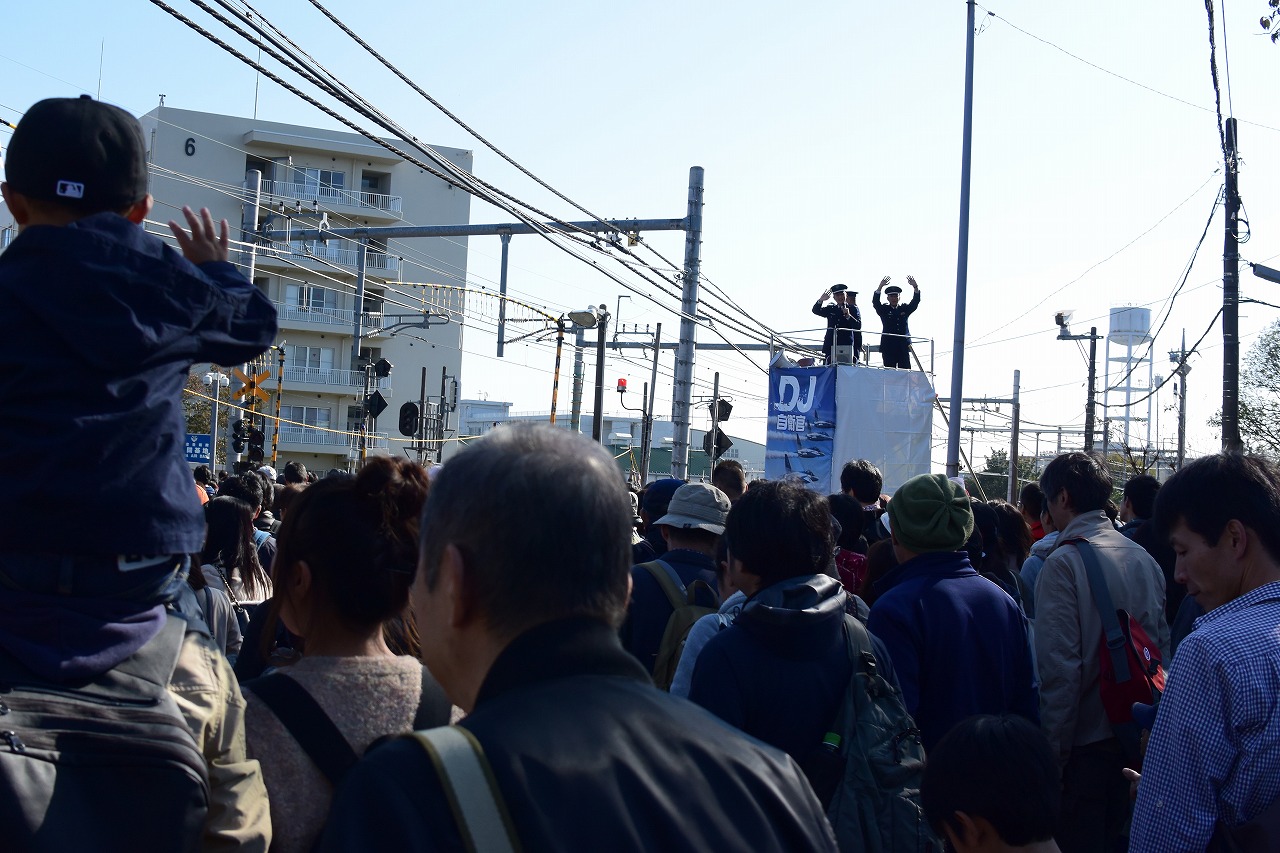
(201, 245)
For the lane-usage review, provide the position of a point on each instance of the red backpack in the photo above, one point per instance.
(1130, 663)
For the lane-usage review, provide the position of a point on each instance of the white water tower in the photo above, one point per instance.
(1129, 378)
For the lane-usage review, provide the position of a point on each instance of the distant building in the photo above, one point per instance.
(312, 177)
(622, 436)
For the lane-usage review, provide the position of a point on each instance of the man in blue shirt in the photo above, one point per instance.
(1213, 759)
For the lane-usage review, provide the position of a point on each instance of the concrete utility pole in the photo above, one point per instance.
(1181, 368)
(1013, 441)
(650, 392)
(962, 257)
(597, 421)
(1231, 442)
(575, 407)
(1064, 334)
(357, 329)
(683, 386)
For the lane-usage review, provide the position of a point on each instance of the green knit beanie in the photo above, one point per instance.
(931, 513)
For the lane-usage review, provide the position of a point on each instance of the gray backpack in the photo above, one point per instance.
(875, 750)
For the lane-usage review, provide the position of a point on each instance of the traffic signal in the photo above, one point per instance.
(238, 431)
(723, 443)
(409, 419)
(257, 438)
(722, 408)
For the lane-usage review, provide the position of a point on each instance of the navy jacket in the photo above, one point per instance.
(650, 610)
(894, 317)
(100, 325)
(780, 671)
(588, 756)
(959, 643)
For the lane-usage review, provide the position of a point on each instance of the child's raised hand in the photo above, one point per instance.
(202, 244)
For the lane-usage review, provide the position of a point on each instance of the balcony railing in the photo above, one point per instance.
(325, 438)
(344, 317)
(378, 261)
(347, 380)
(331, 195)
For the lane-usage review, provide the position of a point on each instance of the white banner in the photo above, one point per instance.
(885, 416)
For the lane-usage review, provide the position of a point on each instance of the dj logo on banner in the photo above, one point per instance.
(802, 425)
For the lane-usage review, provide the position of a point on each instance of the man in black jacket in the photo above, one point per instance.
(584, 751)
(895, 341)
(842, 315)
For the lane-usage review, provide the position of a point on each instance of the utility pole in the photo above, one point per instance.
(715, 423)
(1064, 334)
(597, 422)
(962, 258)
(356, 332)
(651, 391)
(682, 389)
(575, 406)
(505, 237)
(1013, 441)
(1181, 368)
(1231, 302)
(1089, 413)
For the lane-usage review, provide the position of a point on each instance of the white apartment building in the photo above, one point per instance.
(316, 178)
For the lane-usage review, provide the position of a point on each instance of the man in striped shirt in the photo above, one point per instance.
(1213, 759)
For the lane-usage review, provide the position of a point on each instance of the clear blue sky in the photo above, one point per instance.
(831, 142)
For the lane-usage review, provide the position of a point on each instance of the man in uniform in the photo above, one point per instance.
(844, 314)
(895, 342)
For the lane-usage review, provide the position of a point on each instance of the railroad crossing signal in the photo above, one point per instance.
(251, 385)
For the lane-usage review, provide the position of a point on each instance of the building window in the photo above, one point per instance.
(310, 297)
(319, 184)
(309, 415)
(373, 301)
(315, 358)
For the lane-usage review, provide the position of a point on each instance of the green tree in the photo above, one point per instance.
(1260, 394)
(197, 404)
(994, 475)
(1259, 400)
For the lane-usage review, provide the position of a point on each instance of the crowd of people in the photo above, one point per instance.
(514, 652)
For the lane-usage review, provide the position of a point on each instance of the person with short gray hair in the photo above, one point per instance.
(522, 582)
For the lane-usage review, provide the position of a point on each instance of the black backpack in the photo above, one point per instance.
(868, 771)
(104, 764)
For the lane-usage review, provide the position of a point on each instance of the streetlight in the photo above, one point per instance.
(215, 381)
(598, 318)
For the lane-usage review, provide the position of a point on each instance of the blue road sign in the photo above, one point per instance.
(198, 448)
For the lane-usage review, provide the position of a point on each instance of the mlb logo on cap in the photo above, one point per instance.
(70, 189)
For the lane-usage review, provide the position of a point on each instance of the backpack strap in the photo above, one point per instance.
(1116, 640)
(155, 662)
(670, 582)
(434, 708)
(307, 722)
(473, 795)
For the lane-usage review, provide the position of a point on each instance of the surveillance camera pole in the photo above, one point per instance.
(1089, 422)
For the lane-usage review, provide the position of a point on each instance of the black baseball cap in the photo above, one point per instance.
(80, 153)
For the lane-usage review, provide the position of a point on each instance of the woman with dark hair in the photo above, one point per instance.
(998, 559)
(348, 551)
(1013, 532)
(218, 614)
(229, 560)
